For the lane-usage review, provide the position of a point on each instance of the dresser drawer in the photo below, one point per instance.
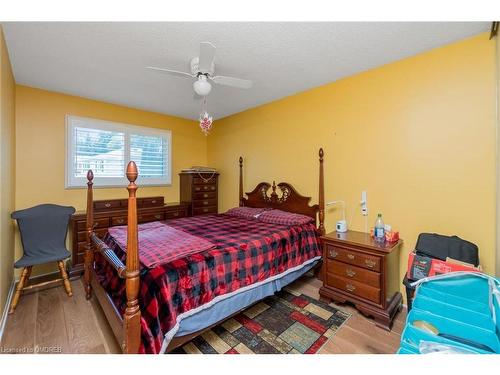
(204, 195)
(82, 236)
(82, 246)
(107, 205)
(80, 258)
(174, 214)
(354, 287)
(353, 257)
(152, 202)
(98, 223)
(118, 220)
(208, 180)
(205, 210)
(204, 203)
(203, 188)
(144, 218)
(362, 275)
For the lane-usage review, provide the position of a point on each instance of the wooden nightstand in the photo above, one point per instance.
(359, 270)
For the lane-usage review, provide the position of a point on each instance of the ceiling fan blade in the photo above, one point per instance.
(207, 56)
(231, 81)
(171, 72)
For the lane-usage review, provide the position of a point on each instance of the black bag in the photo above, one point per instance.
(440, 247)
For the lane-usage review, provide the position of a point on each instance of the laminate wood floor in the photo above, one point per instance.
(50, 321)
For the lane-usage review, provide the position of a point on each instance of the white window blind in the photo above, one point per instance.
(106, 147)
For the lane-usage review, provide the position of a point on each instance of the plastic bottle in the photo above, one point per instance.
(379, 232)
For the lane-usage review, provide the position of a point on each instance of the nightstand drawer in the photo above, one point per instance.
(353, 257)
(362, 275)
(354, 287)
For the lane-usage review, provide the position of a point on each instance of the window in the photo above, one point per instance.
(106, 147)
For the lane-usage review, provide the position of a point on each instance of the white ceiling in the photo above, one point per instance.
(105, 61)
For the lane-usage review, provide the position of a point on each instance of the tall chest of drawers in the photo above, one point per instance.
(199, 191)
(358, 270)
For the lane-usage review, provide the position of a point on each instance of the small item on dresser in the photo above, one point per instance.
(390, 235)
(379, 230)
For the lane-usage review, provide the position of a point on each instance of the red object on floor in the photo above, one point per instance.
(317, 345)
(300, 302)
(250, 324)
(308, 322)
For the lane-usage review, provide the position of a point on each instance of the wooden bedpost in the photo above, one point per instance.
(321, 194)
(132, 318)
(89, 253)
(241, 182)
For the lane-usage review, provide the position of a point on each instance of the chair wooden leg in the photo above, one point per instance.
(64, 274)
(19, 289)
(27, 280)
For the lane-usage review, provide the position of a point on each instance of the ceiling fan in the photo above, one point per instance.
(203, 69)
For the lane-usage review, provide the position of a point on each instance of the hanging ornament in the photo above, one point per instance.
(205, 118)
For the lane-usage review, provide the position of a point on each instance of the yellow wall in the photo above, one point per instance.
(418, 135)
(40, 147)
(7, 170)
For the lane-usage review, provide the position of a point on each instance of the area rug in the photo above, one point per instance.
(284, 323)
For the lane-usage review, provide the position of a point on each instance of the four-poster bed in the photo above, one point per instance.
(107, 266)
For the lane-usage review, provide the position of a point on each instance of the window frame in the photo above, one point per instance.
(72, 182)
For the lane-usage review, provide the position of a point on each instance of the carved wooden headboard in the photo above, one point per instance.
(283, 196)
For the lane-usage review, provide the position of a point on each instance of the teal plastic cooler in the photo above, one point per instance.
(463, 311)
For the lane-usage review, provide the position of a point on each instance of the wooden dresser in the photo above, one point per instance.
(359, 270)
(199, 191)
(113, 212)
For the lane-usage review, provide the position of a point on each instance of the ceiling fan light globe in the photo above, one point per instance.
(202, 87)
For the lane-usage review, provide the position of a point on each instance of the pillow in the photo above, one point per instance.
(284, 218)
(246, 212)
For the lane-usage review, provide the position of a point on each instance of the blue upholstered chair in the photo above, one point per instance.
(43, 231)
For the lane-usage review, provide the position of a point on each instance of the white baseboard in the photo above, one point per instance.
(5, 312)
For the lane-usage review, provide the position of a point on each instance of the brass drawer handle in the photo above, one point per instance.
(205, 187)
(120, 221)
(370, 263)
(176, 214)
(205, 210)
(197, 189)
(350, 287)
(205, 195)
(205, 203)
(212, 188)
(333, 253)
(350, 272)
(157, 216)
(153, 201)
(107, 205)
(350, 256)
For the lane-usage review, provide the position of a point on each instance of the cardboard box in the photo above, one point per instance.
(421, 266)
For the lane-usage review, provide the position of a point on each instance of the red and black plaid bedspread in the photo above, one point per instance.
(246, 251)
